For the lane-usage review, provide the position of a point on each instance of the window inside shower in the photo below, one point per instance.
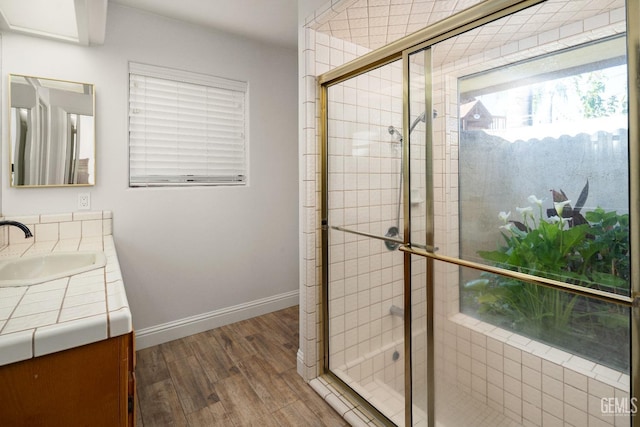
(544, 191)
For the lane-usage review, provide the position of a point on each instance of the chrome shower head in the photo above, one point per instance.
(393, 131)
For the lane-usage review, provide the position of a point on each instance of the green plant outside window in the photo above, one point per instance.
(588, 249)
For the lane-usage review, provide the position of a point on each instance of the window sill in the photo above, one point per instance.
(551, 354)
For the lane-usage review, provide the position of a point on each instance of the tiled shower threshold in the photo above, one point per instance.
(454, 407)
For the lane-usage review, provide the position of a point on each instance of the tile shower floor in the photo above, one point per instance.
(453, 407)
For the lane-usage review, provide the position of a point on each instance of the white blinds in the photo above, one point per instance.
(185, 128)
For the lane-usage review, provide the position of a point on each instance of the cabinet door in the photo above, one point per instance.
(83, 386)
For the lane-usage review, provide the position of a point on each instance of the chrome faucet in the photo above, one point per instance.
(21, 226)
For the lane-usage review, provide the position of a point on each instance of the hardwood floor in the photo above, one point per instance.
(243, 374)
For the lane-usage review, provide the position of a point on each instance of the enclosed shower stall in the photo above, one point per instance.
(478, 182)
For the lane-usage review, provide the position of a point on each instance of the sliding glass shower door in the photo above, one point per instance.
(369, 278)
(365, 227)
(478, 204)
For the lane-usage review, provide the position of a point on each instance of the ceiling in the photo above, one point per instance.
(84, 21)
(375, 23)
(367, 23)
(75, 21)
(274, 21)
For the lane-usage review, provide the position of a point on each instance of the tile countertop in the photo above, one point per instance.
(64, 313)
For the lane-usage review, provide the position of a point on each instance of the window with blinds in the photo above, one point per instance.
(186, 128)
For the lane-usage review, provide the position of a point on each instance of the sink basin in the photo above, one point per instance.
(29, 270)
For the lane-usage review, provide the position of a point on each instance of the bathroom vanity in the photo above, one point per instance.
(90, 385)
(67, 351)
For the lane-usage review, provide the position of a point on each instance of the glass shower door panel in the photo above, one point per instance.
(487, 375)
(534, 145)
(530, 176)
(419, 342)
(365, 222)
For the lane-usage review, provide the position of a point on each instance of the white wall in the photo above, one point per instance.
(183, 251)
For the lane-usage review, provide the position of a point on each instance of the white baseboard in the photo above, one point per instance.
(154, 335)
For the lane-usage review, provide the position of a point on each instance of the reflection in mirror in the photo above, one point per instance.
(52, 132)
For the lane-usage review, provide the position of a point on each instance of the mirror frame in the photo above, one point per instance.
(60, 86)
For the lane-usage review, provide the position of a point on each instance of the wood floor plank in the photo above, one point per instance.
(238, 375)
(297, 414)
(270, 324)
(139, 422)
(213, 415)
(233, 342)
(312, 400)
(266, 421)
(272, 390)
(160, 406)
(151, 366)
(283, 324)
(214, 360)
(194, 389)
(177, 349)
(240, 401)
(248, 327)
(276, 354)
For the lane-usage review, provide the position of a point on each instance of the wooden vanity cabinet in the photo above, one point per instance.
(92, 385)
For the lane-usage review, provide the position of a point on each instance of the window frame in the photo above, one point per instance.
(206, 81)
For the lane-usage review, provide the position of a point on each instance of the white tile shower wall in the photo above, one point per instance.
(541, 390)
(365, 278)
(310, 316)
(383, 364)
(364, 178)
(515, 376)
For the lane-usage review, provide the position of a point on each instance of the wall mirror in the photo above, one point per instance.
(52, 132)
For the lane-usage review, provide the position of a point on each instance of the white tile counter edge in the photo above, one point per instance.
(50, 338)
(16, 347)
